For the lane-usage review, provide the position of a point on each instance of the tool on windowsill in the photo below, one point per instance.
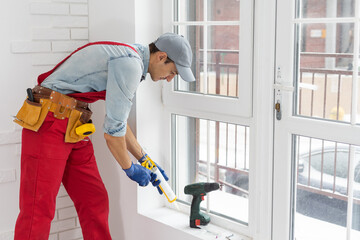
(199, 191)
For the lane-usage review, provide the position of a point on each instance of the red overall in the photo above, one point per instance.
(46, 161)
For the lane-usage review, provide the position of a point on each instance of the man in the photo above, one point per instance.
(56, 121)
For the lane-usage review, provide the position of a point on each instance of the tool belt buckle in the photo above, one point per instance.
(64, 104)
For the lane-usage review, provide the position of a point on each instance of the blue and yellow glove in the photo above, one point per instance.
(140, 174)
(148, 163)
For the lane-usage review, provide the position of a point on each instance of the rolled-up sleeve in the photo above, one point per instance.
(124, 75)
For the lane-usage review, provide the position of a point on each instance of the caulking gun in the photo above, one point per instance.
(164, 186)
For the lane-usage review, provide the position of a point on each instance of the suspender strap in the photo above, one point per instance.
(90, 96)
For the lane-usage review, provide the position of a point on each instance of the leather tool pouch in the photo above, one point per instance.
(65, 107)
(73, 123)
(32, 115)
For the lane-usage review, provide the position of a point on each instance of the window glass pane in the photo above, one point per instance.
(358, 93)
(224, 10)
(216, 152)
(223, 61)
(356, 194)
(326, 8)
(195, 36)
(188, 10)
(325, 64)
(322, 189)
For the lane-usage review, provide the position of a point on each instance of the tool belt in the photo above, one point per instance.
(33, 113)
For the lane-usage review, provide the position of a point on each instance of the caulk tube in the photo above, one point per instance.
(164, 186)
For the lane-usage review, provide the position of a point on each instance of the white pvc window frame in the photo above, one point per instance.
(240, 106)
(231, 110)
(292, 124)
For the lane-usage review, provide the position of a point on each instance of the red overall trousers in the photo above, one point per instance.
(46, 161)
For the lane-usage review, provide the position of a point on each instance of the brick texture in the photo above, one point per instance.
(70, 234)
(49, 8)
(79, 9)
(67, 46)
(51, 33)
(72, 1)
(47, 58)
(59, 226)
(79, 33)
(7, 175)
(30, 47)
(70, 21)
(7, 235)
(66, 213)
(58, 27)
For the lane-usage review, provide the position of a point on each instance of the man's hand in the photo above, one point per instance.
(140, 174)
(147, 160)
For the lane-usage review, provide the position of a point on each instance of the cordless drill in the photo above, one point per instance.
(199, 190)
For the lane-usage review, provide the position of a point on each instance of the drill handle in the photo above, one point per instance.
(195, 204)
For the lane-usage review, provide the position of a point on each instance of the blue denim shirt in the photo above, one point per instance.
(116, 69)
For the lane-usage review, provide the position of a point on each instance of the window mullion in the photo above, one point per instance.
(205, 32)
(324, 20)
(208, 161)
(206, 23)
(350, 193)
(354, 97)
(354, 104)
(205, 91)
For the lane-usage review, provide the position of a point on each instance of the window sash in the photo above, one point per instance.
(210, 103)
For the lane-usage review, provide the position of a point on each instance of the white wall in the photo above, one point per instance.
(113, 21)
(35, 35)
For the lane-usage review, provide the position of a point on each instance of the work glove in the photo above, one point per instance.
(155, 183)
(140, 174)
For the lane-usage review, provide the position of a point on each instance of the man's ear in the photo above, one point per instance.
(162, 56)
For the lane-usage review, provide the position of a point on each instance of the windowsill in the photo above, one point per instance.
(180, 221)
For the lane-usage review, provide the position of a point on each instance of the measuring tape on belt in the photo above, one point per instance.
(85, 130)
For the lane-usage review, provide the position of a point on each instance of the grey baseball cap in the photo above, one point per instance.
(178, 49)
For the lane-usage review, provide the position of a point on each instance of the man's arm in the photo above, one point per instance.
(117, 146)
(135, 172)
(132, 144)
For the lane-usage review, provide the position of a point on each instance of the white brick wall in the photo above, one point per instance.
(65, 213)
(49, 8)
(70, 234)
(66, 46)
(58, 27)
(72, 1)
(70, 21)
(30, 47)
(50, 33)
(7, 175)
(47, 58)
(7, 235)
(79, 9)
(63, 202)
(79, 33)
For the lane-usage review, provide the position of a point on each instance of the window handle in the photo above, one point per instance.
(278, 110)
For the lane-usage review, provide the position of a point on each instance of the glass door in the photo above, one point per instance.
(316, 126)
